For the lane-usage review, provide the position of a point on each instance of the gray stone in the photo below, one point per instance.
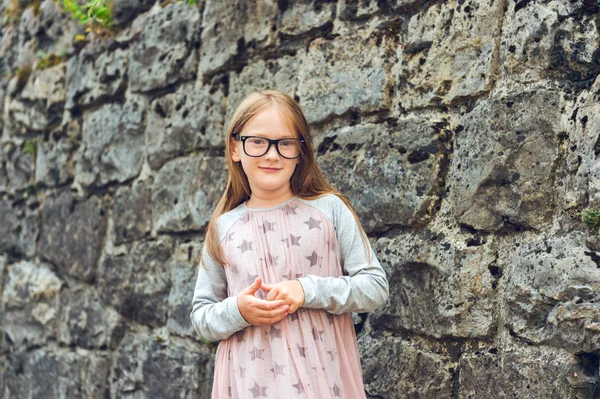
(304, 17)
(231, 27)
(347, 73)
(517, 371)
(125, 10)
(154, 366)
(184, 272)
(55, 155)
(448, 53)
(94, 78)
(72, 234)
(357, 9)
(8, 49)
(85, 321)
(41, 102)
(56, 29)
(190, 119)
(502, 175)
(580, 172)
(31, 301)
(396, 168)
(57, 373)
(280, 74)
(137, 284)
(436, 288)
(551, 40)
(186, 192)
(416, 373)
(165, 51)
(17, 166)
(553, 293)
(112, 147)
(20, 227)
(132, 212)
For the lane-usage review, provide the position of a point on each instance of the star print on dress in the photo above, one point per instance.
(229, 392)
(329, 318)
(258, 391)
(267, 226)
(314, 259)
(336, 390)
(247, 217)
(274, 332)
(242, 372)
(295, 240)
(272, 261)
(256, 353)
(246, 245)
(313, 223)
(250, 279)
(302, 350)
(234, 269)
(277, 369)
(299, 387)
(229, 236)
(294, 316)
(322, 368)
(239, 336)
(332, 354)
(289, 275)
(331, 245)
(317, 334)
(289, 209)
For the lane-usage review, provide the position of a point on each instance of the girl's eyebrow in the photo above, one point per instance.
(262, 136)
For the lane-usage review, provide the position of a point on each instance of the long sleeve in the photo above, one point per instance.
(364, 289)
(214, 315)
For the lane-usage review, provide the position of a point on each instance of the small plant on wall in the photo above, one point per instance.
(93, 12)
(591, 218)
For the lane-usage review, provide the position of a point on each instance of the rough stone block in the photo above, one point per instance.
(347, 73)
(448, 53)
(165, 51)
(113, 145)
(137, 283)
(553, 293)
(186, 192)
(502, 176)
(231, 27)
(436, 288)
(190, 119)
(31, 301)
(416, 373)
(132, 212)
(395, 167)
(72, 234)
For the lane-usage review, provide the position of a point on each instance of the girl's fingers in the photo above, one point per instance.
(266, 287)
(269, 305)
(273, 294)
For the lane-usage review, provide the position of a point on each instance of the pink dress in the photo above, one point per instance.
(309, 354)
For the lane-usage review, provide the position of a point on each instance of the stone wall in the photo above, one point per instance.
(465, 132)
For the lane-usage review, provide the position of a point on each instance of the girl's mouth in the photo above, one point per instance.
(269, 169)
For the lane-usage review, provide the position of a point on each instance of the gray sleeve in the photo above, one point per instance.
(364, 289)
(214, 315)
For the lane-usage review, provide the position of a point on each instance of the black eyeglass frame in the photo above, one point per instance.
(237, 137)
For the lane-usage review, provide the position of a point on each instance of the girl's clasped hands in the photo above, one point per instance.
(283, 299)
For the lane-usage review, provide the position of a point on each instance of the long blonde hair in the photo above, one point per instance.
(307, 181)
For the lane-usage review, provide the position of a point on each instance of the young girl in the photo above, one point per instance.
(284, 262)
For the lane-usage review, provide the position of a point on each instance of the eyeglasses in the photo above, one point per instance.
(255, 146)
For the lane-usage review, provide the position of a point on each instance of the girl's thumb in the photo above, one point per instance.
(254, 286)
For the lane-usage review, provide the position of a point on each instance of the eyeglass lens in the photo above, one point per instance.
(256, 146)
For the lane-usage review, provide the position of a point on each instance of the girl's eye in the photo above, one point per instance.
(257, 141)
(287, 143)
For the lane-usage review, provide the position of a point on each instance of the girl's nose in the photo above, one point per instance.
(272, 153)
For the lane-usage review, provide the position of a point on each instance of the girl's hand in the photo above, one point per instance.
(257, 311)
(290, 291)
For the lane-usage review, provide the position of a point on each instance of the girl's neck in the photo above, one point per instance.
(258, 203)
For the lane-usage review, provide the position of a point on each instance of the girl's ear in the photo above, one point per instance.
(234, 151)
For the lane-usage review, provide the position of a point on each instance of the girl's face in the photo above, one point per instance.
(266, 184)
